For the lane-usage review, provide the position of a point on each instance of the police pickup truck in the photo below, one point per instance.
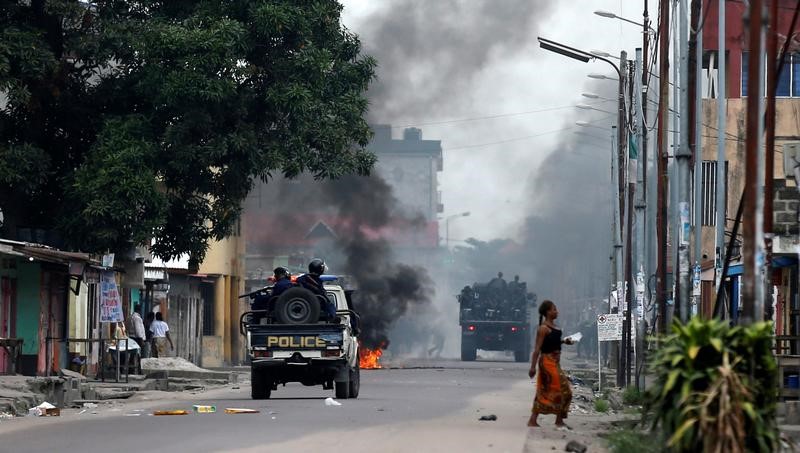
(287, 341)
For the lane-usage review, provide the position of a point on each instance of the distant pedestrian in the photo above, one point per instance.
(553, 393)
(137, 326)
(148, 339)
(160, 331)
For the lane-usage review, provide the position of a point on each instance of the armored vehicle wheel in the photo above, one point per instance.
(297, 306)
(468, 350)
(355, 381)
(260, 387)
(342, 389)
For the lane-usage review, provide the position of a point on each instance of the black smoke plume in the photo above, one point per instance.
(363, 206)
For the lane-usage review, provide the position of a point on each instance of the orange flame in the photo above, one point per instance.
(369, 358)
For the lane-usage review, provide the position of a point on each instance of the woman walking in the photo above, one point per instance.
(553, 394)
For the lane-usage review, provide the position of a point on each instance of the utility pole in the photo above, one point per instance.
(683, 157)
(643, 226)
(629, 244)
(753, 304)
(721, 183)
(696, 97)
(627, 286)
(661, 214)
(769, 158)
(640, 127)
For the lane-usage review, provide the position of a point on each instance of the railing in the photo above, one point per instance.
(101, 351)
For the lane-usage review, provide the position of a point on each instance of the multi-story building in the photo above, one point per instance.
(787, 130)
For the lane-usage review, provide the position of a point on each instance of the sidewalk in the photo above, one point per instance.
(19, 393)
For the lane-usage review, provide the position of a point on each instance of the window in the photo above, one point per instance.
(709, 85)
(709, 191)
(789, 81)
(209, 318)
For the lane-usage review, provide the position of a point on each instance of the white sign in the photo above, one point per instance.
(609, 327)
(110, 301)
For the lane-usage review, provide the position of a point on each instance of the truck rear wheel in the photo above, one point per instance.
(260, 387)
(468, 350)
(342, 389)
(355, 381)
(297, 306)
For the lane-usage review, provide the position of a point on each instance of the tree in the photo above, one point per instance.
(130, 120)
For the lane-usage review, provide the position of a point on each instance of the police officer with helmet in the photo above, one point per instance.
(283, 281)
(312, 282)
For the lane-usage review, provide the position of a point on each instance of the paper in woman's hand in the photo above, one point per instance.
(574, 338)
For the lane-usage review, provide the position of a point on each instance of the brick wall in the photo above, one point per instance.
(785, 209)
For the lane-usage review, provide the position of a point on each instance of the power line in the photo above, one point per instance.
(517, 139)
(487, 117)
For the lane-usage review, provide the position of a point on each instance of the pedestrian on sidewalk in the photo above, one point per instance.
(148, 339)
(137, 326)
(553, 393)
(160, 331)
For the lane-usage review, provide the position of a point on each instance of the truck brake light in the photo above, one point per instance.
(471, 328)
(514, 328)
(262, 353)
(331, 353)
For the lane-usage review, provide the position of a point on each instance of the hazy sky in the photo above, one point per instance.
(443, 60)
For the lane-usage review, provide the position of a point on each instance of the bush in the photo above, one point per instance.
(632, 440)
(716, 388)
(601, 405)
(632, 396)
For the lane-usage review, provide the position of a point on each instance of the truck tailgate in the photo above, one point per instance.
(296, 337)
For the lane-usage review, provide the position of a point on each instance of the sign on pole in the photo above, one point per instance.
(110, 302)
(609, 327)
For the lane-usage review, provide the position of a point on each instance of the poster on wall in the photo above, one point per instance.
(110, 301)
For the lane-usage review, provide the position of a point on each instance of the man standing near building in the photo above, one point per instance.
(160, 331)
(136, 327)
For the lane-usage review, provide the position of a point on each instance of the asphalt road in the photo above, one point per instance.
(424, 406)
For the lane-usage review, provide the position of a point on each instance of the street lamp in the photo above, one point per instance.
(611, 15)
(591, 107)
(447, 226)
(597, 76)
(600, 53)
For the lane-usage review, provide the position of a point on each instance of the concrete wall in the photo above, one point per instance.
(413, 180)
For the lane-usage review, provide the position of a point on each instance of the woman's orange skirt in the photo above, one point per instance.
(553, 394)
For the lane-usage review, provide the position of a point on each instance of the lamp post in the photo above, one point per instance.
(447, 226)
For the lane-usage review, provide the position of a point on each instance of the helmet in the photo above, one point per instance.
(316, 266)
(280, 272)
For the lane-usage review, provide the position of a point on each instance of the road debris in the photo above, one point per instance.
(44, 410)
(174, 412)
(89, 405)
(332, 402)
(238, 410)
(204, 409)
(488, 418)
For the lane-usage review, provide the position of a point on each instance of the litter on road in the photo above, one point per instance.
(179, 412)
(204, 409)
(332, 402)
(238, 410)
(489, 418)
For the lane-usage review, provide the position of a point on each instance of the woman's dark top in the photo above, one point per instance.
(552, 341)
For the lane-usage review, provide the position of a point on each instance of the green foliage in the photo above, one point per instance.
(601, 405)
(632, 396)
(716, 388)
(632, 440)
(131, 120)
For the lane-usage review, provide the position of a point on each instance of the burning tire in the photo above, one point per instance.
(355, 381)
(260, 387)
(297, 306)
(469, 351)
